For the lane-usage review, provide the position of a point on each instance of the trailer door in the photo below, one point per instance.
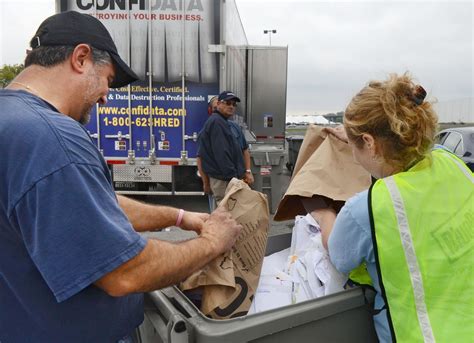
(266, 92)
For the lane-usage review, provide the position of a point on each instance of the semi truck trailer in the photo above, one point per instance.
(184, 52)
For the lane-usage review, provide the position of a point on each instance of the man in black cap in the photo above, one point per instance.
(72, 265)
(223, 150)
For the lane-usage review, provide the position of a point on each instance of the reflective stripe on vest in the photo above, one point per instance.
(423, 232)
(410, 255)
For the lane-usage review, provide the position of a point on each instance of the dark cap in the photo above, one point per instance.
(73, 28)
(226, 95)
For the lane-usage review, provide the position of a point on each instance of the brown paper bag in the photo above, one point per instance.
(325, 167)
(312, 140)
(229, 282)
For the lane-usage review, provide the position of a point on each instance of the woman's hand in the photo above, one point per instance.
(338, 131)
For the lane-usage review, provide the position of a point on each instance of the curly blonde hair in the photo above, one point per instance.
(395, 114)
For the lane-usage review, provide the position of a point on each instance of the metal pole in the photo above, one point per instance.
(183, 81)
(269, 32)
(131, 150)
(150, 85)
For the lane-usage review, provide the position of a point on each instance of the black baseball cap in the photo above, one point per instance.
(73, 28)
(226, 95)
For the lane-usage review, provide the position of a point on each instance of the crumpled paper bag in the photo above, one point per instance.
(325, 167)
(229, 282)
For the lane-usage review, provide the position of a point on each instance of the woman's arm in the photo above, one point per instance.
(325, 218)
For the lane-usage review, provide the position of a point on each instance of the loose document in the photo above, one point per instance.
(299, 273)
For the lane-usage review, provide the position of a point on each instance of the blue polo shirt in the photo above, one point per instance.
(238, 134)
(61, 229)
(220, 148)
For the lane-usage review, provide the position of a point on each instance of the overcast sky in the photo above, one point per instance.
(334, 47)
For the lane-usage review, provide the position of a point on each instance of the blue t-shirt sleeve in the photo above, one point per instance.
(243, 141)
(74, 229)
(350, 242)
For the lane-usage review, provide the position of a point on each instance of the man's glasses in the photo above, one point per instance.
(230, 103)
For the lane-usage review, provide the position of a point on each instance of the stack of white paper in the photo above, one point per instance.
(301, 272)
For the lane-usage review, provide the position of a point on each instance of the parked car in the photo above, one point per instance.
(460, 141)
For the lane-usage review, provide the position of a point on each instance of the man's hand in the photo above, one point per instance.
(161, 263)
(248, 178)
(339, 132)
(193, 221)
(206, 187)
(221, 230)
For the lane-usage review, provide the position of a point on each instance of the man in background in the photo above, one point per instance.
(223, 151)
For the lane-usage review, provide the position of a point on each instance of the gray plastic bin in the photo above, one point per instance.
(294, 145)
(267, 167)
(340, 317)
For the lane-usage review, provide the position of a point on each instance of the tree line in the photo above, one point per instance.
(8, 73)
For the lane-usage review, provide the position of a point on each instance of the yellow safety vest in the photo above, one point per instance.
(423, 227)
(361, 276)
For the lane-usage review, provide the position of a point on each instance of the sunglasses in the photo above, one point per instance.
(230, 103)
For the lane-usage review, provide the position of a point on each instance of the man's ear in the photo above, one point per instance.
(80, 57)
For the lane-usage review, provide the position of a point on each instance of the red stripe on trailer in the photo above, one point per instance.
(269, 137)
(169, 163)
(116, 162)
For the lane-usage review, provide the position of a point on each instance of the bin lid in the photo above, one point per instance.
(295, 138)
(266, 148)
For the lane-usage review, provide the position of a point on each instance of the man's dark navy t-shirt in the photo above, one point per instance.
(61, 229)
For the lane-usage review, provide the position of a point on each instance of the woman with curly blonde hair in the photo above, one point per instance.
(414, 227)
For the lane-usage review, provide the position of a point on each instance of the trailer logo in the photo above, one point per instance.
(142, 173)
(163, 5)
